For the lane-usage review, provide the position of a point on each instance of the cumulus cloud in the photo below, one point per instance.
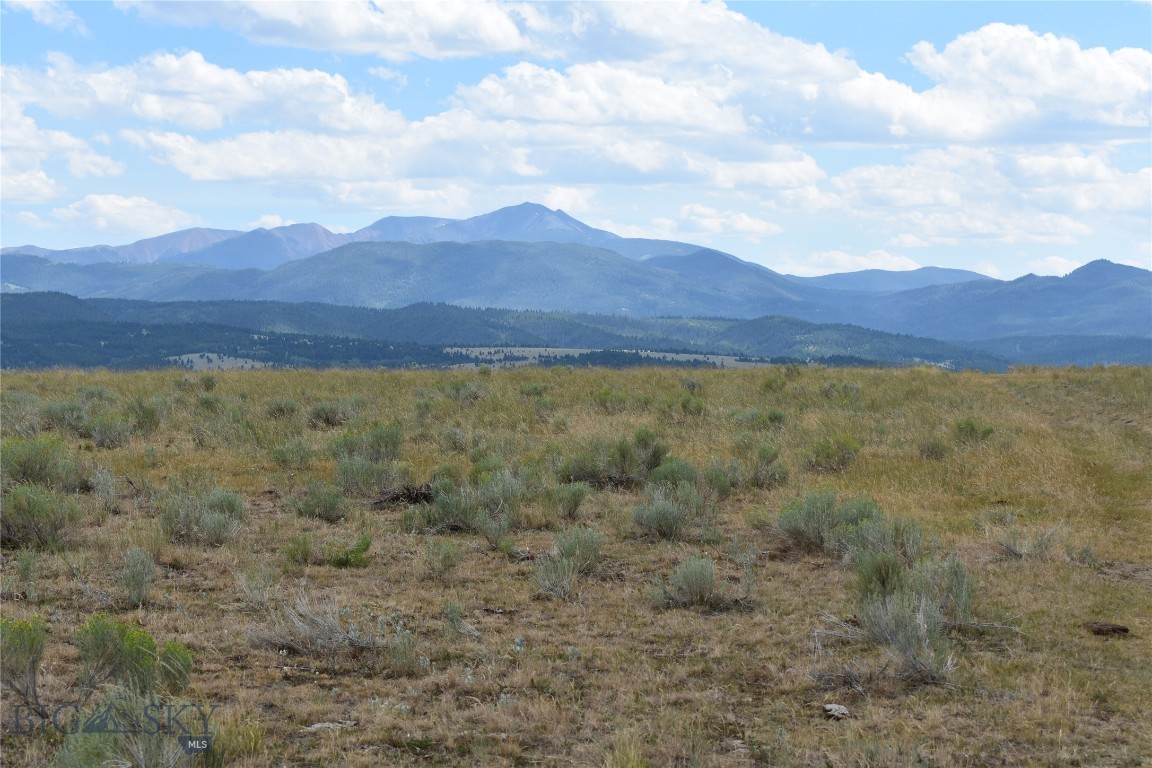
(25, 147)
(829, 262)
(391, 31)
(570, 199)
(269, 221)
(702, 219)
(119, 215)
(50, 13)
(190, 92)
(960, 195)
(1054, 265)
(600, 93)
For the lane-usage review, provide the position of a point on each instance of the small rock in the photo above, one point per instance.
(336, 726)
(1106, 628)
(836, 711)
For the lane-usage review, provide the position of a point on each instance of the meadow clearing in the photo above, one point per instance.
(583, 566)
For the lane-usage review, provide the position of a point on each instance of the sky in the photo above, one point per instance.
(810, 137)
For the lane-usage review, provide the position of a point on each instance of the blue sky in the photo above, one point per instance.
(809, 137)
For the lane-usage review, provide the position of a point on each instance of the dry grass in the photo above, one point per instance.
(607, 677)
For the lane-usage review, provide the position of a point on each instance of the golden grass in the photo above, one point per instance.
(608, 678)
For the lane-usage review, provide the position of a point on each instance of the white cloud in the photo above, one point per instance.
(115, 214)
(268, 221)
(957, 195)
(25, 147)
(702, 219)
(828, 262)
(986, 267)
(1051, 74)
(50, 13)
(600, 93)
(392, 31)
(191, 92)
(906, 240)
(1053, 265)
(570, 199)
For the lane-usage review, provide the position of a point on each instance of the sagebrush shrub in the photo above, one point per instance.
(38, 517)
(109, 431)
(582, 546)
(692, 583)
(319, 500)
(671, 512)
(43, 461)
(442, 557)
(556, 576)
(568, 497)
(282, 408)
(378, 444)
(833, 455)
(22, 645)
(911, 630)
(672, 472)
(137, 577)
(191, 516)
(968, 431)
(116, 651)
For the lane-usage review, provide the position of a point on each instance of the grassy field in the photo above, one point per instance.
(588, 567)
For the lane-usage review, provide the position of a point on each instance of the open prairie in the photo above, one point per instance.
(583, 566)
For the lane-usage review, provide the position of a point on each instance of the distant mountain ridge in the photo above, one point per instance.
(528, 257)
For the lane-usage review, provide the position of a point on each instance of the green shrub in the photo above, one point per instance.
(672, 472)
(968, 431)
(453, 508)
(174, 668)
(568, 497)
(817, 522)
(145, 416)
(42, 461)
(623, 464)
(691, 584)
(949, 585)
(138, 575)
(610, 401)
(442, 557)
(556, 576)
(465, 393)
(109, 431)
(20, 413)
(28, 574)
(911, 630)
(190, 516)
(765, 471)
(329, 415)
(354, 555)
(116, 651)
(582, 546)
(721, 478)
(22, 644)
(298, 551)
(358, 476)
(65, 417)
(671, 512)
(282, 408)
(38, 517)
(319, 500)
(1018, 546)
(210, 403)
(295, 454)
(104, 487)
(879, 573)
(933, 450)
(378, 444)
(833, 455)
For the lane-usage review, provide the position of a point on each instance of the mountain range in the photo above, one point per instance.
(528, 257)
